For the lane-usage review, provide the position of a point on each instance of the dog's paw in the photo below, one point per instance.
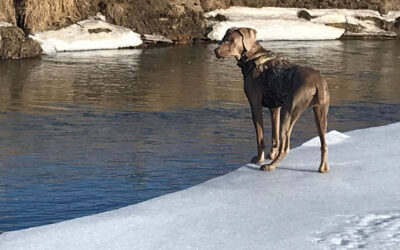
(267, 167)
(273, 153)
(257, 159)
(324, 168)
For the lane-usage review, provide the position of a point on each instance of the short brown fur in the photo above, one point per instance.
(308, 89)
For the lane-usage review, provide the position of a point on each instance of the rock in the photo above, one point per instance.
(347, 26)
(304, 14)
(98, 30)
(396, 22)
(395, 27)
(369, 36)
(156, 39)
(14, 45)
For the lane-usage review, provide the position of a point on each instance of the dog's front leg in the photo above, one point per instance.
(275, 123)
(257, 115)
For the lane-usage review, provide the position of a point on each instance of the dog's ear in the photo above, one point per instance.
(249, 37)
(228, 34)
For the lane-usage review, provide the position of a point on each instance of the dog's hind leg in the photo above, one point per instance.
(320, 115)
(275, 124)
(289, 118)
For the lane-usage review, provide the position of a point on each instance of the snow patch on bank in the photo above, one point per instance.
(4, 24)
(392, 15)
(279, 30)
(274, 23)
(331, 138)
(92, 34)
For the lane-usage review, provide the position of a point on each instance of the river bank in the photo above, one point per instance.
(178, 21)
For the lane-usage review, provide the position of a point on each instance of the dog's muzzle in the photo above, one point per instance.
(216, 51)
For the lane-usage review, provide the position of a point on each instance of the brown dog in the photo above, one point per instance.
(286, 89)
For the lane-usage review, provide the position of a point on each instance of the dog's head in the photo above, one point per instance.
(236, 42)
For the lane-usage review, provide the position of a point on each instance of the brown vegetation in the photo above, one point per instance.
(39, 15)
(7, 11)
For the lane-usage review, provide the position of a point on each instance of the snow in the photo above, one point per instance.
(356, 205)
(236, 13)
(280, 30)
(392, 15)
(83, 36)
(274, 23)
(374, 231)
(333, 137)
(4, 24)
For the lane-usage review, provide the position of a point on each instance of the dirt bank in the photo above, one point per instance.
(178, 20)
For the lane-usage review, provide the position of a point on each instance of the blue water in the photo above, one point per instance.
(82, 133)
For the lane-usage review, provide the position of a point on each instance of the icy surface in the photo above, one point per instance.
(284, 24)
(354, 206)
(371, 231)
(87, 35)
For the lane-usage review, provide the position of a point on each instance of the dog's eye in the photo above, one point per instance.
(220, 42)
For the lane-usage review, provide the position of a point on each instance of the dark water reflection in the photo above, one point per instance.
(82, 133)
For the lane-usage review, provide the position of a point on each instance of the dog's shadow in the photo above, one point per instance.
(256, 167)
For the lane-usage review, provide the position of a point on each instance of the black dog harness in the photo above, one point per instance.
(276, 74)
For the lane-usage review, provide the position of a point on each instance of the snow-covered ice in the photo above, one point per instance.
(280, 30)
(356, 205)
(274, 23)
(236, 13)
(92, 34)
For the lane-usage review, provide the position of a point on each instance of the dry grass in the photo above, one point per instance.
(116, 12)
(39, 15)
(391, 5)
(7, 11)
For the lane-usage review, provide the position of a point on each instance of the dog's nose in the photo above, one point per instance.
(216, 51)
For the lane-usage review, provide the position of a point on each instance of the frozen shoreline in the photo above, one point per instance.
(91, 34)
(293, 207)
(274, 23)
